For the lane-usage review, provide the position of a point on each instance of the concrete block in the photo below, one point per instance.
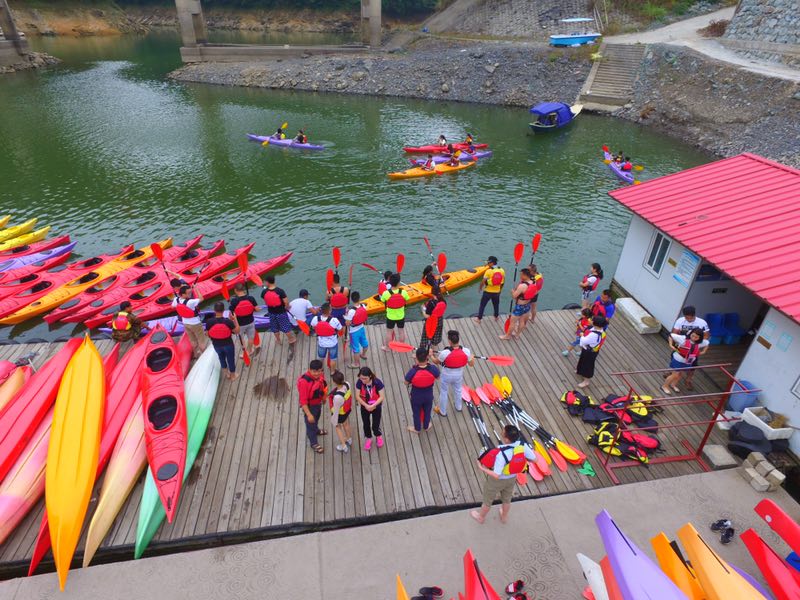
(759, 484)
(754, 458)
(764, 467)
(748, 473)
(639, 317)
(775, 479)
(718, 456)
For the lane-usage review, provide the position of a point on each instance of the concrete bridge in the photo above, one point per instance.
(13, 47)
(196, 48)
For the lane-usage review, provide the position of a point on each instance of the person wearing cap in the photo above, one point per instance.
(490, 286)
(300, 307)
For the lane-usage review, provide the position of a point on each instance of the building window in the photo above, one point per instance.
(658, 253)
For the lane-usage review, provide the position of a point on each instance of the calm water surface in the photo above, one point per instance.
(106, 149)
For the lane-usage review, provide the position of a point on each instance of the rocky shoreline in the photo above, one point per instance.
(487, 72)
(32, 60)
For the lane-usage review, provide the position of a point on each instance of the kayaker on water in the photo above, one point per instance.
(384, 284)
(429, 166)
(301, 137)
(442, 141)
(431, 279)
(450, 149)
(279, 135)
(454, 159)
(468, 141)
(627, 166)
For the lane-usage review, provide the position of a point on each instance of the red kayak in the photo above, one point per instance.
(159, 303)
(781, 523)
(42, 265)
(436, 149)
(20, 417)
(164, 411)
(783, 579)
(128, 282)
(35, 247)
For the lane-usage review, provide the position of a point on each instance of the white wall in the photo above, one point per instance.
(775, 370)
(662, 295)
(724, 297)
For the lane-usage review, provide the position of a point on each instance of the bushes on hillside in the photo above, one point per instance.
(393, 7)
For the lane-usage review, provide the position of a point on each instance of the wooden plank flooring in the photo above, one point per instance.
(256, 473)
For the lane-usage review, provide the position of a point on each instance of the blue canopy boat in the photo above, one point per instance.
(553, 115)
(575, 38)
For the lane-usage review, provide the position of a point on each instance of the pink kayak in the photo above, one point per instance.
(35, 247)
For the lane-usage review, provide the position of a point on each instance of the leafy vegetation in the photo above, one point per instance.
(394, 7)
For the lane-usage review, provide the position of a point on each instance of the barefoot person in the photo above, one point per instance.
(312, 389)
(371, 395)
(491, 285)
(531, 295)
(591, 342)
(355, 319)
(341, 403)
(221, 331)
(420, 379)
(521, 306)
(686, 350)
(510, 458)
(432, 343)
(395, 299)
(277, 303)
(327, 327)
(453, 359)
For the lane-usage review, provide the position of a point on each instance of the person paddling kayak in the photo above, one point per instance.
(279, 134)
(429, 166)
(454, 159)
(301, 137)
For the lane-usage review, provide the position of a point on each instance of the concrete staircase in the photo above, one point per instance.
(610, 82)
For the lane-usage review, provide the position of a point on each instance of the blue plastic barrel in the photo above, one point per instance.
(738, 402)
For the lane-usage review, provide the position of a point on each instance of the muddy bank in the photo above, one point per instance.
(487, 72)
(716, 106)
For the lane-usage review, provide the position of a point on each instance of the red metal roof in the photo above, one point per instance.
(742, 214)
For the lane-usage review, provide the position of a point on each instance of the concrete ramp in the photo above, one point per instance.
(610, 82)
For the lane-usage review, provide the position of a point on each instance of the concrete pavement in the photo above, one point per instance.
(538, 545)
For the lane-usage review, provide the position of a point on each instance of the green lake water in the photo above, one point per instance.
(106, 149)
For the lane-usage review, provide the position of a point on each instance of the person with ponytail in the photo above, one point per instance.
(589, 284)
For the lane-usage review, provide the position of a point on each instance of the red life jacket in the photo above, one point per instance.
(598, 308)
(121, 322)
(456, 359)
(220, 331)
(689, 350)
(423, 378)
(183, 310)
(323, 328)
(596, 281)
(584, 324)
(497, 278)
(320, 389)
(396, 299)
(534, 287)
(348, 399)
(382, 287)
(338, 299)
(371, 396)
(244, 308)
(360, 316)
(517, 464)
(627, 166)
(272, 298)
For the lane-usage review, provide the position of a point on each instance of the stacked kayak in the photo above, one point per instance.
(437, 170)
(436, 149)
(420, 290)
(35, 247)
(285, 143)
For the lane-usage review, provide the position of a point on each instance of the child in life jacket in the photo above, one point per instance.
(340, 400)
(454, 159)
(627, 166)
(686, 349)
(583, 323)
(356, 318)
(428, 166)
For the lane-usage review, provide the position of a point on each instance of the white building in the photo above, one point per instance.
(725, 238)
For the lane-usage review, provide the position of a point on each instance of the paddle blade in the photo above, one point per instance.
(337, 256)
(490, 392)
(265, 143)
(637, 182)
(158, 251)
(605, 148)
(507, 387)
(428, 244)
(441, 262)
(242, 261)
(256, 279)
(257, 339)
(500, 360)
(498, 384)
(285, 125)
(226, 293)
(401, 262)
(519, 250)
(542, 464)
(533, 469)
(522, 479)
(568, 452)
(401, 590)
(542, 451)
(329, 279)
(370, 267)
(638, 167)
(482, 395)
(401, 346)
(465, 392)
(430, 326)
(507, 324)
(558, 459)
(246, 357)
(537, 239)
(476, 399)
(438, 310)
(304, 327)
(350, 277)
(607, 161)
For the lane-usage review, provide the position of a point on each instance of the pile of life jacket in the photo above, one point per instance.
(632, 445)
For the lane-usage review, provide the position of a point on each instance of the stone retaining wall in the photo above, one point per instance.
(775, 22)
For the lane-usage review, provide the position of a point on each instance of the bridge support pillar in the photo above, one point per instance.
(191, 22)
(371, 19)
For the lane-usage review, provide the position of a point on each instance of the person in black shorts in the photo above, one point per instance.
(277, 303)
(221, 331)
(243, 305)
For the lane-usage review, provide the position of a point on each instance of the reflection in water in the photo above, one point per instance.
(106, 149)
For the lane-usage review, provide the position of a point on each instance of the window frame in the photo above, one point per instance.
(651, 249)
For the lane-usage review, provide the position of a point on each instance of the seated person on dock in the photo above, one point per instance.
(442, 141)
(428, 166)
(301, 137)
(453, 162)
(627, 166)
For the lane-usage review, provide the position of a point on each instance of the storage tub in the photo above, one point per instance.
(739, 402)
(751, 415)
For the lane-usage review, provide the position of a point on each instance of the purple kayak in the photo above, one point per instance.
(638, 577)
(286, 143)
(626, 176)
(29, 259)
(463, 157)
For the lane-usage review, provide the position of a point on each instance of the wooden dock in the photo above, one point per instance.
(255, 476)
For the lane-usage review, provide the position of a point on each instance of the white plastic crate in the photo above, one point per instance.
(751, 415)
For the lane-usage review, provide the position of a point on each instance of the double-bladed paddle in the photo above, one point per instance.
(519, 250)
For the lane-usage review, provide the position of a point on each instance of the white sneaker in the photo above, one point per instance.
(345, 449)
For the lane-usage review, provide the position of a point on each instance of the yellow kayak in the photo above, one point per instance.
(61, 294)
(4, 220)
(717, 578)
(26, 238)
(445, 168)
(438, 169)
(73, 451)
(15, 382)
(675, 568)
(12, 232)
(420, 291)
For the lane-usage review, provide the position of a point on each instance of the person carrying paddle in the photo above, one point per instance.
(590, 283)
(511, 458)
(431, 343)
(532, 295)
(355, 318)
(395, 299)
(312, 388)
(186, 306)
(243, 305)
(371, 395)
(277, 303)
(327, 327)
(524, 296)
(420, 379)
(125, 326)
(490, 285)
(221, 331)
(453, 358)
(279, 134)
(338, 296)
(591, 342)
(341, 403)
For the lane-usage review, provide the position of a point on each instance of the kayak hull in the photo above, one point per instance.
(25, 239)
(463, 157)
(675, 568)
(9, 233)
(416, 172)
(201, 391)
(12, 265)
(626, 176)
(436, 149)
(73, 451)
(13, 384)
(284, 143)
(593, 573)
(35, 247)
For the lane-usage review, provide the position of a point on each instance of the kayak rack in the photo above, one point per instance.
(716, 401)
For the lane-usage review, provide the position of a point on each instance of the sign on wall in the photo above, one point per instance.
(687, 265)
